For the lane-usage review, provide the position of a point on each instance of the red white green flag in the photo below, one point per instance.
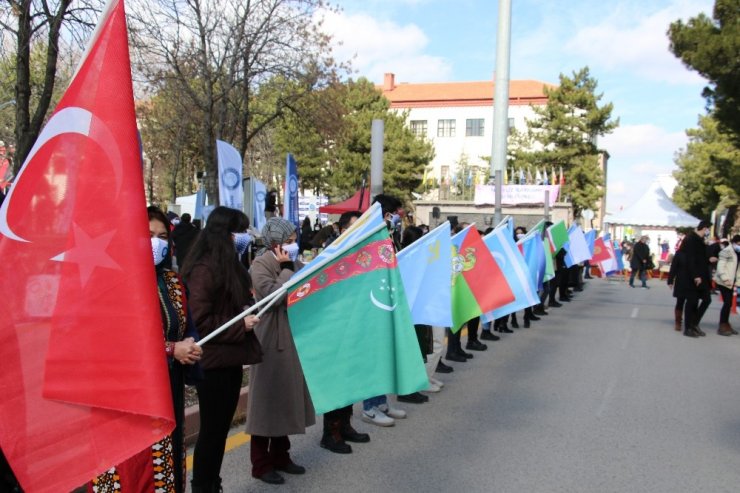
(352, 326)
(478, 284)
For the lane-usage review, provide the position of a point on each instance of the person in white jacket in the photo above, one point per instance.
(727, 277)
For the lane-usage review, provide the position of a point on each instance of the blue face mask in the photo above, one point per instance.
(737, 248)
(395, 219)
(241, 242)
(292, 250)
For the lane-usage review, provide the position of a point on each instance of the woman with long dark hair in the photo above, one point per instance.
(220, 289)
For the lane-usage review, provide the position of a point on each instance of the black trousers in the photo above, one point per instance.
(697, 302)
(724, 313)
(218, 396)
(473, 324)
(453, 342)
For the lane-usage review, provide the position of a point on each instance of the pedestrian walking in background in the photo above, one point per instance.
(640, 261)
(680, 284)
(727, 277)
(696, 267)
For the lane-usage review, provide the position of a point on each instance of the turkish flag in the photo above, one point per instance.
(84, 380)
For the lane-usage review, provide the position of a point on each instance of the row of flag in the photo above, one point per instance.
(511, 176)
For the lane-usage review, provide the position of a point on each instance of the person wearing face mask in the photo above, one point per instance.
(182, 353)
(279, 402)
(697, 278)
(727, 277)
(220, 289)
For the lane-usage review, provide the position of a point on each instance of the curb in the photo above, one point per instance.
(192, 417)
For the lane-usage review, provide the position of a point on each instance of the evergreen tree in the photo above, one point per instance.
(711, 46)
(565, 132)
(708, 173)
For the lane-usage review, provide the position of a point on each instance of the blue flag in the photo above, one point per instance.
(534, 255)
(590, 239)
(426, 272)
(515, 270)
(577, 248)
(290, 200)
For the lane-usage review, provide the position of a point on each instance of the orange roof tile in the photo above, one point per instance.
(405, 95)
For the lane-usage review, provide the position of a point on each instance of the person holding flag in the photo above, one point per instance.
(273, 415)
(182, 352)
(220, 288)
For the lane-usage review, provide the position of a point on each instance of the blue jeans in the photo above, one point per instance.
(372, 402)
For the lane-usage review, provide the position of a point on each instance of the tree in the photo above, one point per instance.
(711, 46)
(219, 54)
(566, 131)
(404, 155)
(40, 27)
(708, 174)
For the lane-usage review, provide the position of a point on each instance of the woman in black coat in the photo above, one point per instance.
(679, 281)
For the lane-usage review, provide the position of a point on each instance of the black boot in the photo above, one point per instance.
(332, 439)
(514, 321)
(349, 434)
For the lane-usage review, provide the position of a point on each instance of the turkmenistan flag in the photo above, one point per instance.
(558, 235)
(478, 284)
(352, 326)
(549, 267)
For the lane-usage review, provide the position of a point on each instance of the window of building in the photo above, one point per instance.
(419, 127)
(474, 127)
(445, 128)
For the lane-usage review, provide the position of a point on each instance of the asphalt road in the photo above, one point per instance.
(602, 395)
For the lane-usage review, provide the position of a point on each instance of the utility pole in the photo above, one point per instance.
(501, 103)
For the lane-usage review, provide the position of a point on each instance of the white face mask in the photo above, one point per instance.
(292, 251)
(519, 236)
(175, 222)
(160, 248)
(241, 242)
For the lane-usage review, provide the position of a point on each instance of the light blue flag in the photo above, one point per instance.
(290, 197)
(259, 196)
(515, 270)
(577, 247)
(230, 187)
(362, 227)
(426, 272)
(534, 255)
(610, 266)
(620, 260)
(590, 239)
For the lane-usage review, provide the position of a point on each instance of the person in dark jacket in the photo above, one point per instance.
(220, 289)
(697, 278)
(680, 284)
(639, 261)
(183, 237)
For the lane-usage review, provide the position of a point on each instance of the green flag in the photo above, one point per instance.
(549, 267)
(558, 235)
(352, 327)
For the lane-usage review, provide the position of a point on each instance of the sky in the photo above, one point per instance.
(623, 42)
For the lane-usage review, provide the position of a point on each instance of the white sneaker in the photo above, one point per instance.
(377, 417)
(433, 387)
(436, 382)
(393, 412)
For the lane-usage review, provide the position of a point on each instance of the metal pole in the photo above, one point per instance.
(501, 102)
(376, 158)
(547, 205)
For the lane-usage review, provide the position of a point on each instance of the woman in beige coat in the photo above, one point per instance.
(727, 277)
(279, 402)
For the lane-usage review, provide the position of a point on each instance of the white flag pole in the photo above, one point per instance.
(253, 308)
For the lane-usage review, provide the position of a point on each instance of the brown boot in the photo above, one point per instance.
(679, 319)
(724, 330)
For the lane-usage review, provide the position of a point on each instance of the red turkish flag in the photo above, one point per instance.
(84, 380)
(601, 252)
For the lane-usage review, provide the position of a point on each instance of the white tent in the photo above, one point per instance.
(654, 210)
